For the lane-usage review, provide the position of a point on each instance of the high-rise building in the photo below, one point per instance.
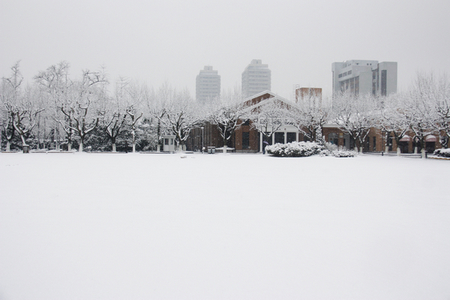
(256, 78)
(365, 77)
(207, 85)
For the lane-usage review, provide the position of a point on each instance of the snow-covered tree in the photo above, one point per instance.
(81, 116)
(267, 117)
(55, 86)
(226, 113)
(20, 106)
(182, 116)
(156, 106)
(309, 116)
(421, 111)
(10, 94)
(393, 118)
(355, 115)
(436, 90)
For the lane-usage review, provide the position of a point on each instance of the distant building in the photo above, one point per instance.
(207, 85)
(365, 77)
(308, 94)
(256, 78)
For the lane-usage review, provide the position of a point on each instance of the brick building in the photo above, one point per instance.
(248, 139)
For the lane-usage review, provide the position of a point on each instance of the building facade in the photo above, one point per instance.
(256, 78)
(207, 85)
(309, 95)
(362, 77)
(247, 138)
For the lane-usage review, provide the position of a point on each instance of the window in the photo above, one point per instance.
(245, 140)
(383, 82)
(333, 138)
(279, 137)
(291, 137)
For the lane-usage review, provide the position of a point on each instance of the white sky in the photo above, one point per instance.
(171, 40)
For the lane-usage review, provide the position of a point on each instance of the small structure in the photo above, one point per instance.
(168, 143)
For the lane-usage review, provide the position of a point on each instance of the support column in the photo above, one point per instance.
(261, 142)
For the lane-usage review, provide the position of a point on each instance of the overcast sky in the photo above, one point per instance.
(171, 40)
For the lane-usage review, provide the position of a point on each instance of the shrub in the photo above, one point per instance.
(295, 149)
(442, 152)
(303, 149)
(344, 153)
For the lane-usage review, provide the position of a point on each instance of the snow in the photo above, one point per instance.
(142, 226)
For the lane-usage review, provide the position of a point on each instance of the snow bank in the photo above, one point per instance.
(442, 152)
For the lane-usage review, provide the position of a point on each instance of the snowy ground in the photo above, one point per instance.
(223, 226)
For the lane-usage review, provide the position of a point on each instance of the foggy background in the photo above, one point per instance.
(172, 40)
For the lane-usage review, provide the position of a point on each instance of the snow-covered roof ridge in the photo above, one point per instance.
(259, 95)
(271, 99)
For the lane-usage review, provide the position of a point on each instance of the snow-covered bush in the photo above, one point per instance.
(303, 149)
(344, 153)
(333, 150)
(295, 149)
(442, 152)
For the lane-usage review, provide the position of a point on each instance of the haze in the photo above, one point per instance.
(170, 41)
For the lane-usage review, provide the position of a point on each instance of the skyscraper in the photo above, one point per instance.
(365, 76)
(207, 85)
(255, 78)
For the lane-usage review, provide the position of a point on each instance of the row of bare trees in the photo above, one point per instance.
(57, 111)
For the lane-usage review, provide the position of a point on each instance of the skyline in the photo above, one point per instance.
(170, 41)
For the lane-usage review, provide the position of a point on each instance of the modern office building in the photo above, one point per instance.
(256, 78)
(364, 77)
(207, 85)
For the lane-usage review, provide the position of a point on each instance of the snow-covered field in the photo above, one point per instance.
(148, 226)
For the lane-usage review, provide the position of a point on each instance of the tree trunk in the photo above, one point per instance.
(423, 153)
(113, 147)
(225, 149)
(399, 151)
(386, 149)
(133, 133)
(80, 148)
(158, 148)
(69, 147)
(8, 146)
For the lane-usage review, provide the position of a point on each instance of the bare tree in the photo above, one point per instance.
(226, 113)
(80, 116)
(55, 83)
(11, 92)
(20, 107)
(394, 118)
(355, 115)
(181, 117)
(421, 111)
(309, 116)
(267, 117)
